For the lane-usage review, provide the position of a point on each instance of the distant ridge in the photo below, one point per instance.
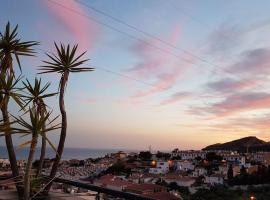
(251, 143)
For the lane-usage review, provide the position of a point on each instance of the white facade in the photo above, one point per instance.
(162, 167)
(189, 155)
(223, 169)
(215, 179)
(184, 165)
(236, 159)
(199, 171)
(4, 162)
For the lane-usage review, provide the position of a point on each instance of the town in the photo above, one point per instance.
(160, 175)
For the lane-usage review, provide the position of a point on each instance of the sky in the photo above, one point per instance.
(168, 74)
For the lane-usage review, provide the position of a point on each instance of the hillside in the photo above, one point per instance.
(253, 144)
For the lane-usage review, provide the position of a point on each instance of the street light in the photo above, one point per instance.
(252, 198)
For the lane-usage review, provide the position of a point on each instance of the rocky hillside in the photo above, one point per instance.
(241, 145)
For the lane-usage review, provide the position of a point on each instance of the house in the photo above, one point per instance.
(214, 179)
(163, 196)
(184, 181)
(4, 163)
(144, 188)
(223, 169)
(161, 167)
(199, 171)
(188, 155)
(263, 157)
(149, 178)
(112, 182)
(119, 155)
(249, 169)
(184, 165)
(235, 158)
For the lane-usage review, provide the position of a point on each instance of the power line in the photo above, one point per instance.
(233, 76)
(106, 69)
(127, 34)
(135, 38)
(144, 32)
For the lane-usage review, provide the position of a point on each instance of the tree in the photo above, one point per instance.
(145, 155)
(118, 168)
(212, 156)
(12, 47)
(243, 171)
(9, 90)
(230, 174)
(34, 128)
(36, 94)
(65, 61)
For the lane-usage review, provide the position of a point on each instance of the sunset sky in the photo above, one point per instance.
(169, 73)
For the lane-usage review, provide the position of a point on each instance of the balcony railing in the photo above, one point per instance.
(98, 189)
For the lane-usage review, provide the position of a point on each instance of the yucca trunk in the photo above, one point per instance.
(42, 155)
(62, 139)
(10, 148)
(43, 146)
(28, 169)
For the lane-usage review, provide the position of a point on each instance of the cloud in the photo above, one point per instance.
(228, 85)
(163, 68)
(255, 123)
(253, 62)
(224, 38)
(176, 97)
(235, 103)
(164, 82)
(70, 14)
(228, 37)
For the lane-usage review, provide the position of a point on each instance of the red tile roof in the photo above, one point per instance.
(162, 196)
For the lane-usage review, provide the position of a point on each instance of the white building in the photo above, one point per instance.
(162, 167)
(184, 165)
(215, 179)
(189, 155)
(199, 171)
(4, 162)
(223, 169)
(241, 160)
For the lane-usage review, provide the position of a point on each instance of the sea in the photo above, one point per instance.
(69, 153)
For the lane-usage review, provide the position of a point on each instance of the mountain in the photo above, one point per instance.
(251, 143)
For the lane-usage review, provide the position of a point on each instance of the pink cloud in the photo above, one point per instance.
(70, 14)
(230, 85)
(164, 68)
(236, 103)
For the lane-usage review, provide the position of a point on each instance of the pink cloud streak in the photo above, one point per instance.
(84, 31)
(159, 66)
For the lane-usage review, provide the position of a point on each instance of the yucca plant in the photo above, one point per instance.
(9, 90)
(65, 61)
(12, 47)
(34, 128)
(35, 95)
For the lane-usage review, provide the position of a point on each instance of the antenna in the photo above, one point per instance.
(150, 148)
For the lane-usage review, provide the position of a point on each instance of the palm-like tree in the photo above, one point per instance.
(34, 128)
(10, 90)
(65, 61)
(36, 94)
(12, 47)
